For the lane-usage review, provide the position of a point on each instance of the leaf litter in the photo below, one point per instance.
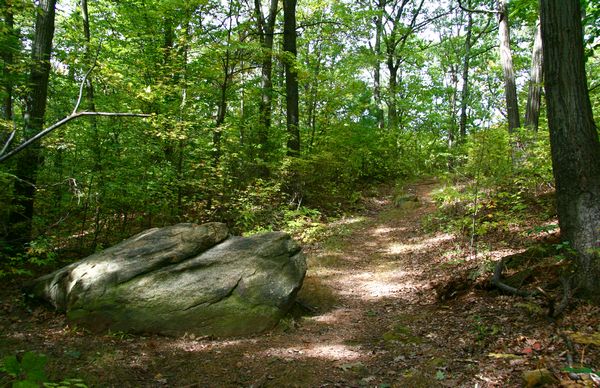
(374, 318)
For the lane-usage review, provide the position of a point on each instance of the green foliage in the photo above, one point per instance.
(489, 155)
(39, 253)
(499, 184)
(28, 371)
(482, 330)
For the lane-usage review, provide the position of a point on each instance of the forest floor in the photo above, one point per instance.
(376, 320)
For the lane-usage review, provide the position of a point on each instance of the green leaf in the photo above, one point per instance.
(11, 366)
(25, 384)
(439, 375)
(33, 365)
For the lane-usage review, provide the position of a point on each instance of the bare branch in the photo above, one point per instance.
(62, 122)
(81, 89)
(10, 139)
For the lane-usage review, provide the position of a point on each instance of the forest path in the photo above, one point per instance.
(376, 322)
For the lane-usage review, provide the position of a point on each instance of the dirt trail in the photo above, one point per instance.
(375, 322)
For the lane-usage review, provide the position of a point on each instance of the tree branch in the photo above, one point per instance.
(59, 124)
(485, 11)
(10, 139)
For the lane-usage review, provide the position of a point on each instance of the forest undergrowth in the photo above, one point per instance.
(397, 294)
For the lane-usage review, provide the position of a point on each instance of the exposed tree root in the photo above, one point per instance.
(505, 287)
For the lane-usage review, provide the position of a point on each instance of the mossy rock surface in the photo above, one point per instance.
(237, 286)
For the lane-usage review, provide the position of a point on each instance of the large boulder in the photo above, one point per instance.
(181, 279)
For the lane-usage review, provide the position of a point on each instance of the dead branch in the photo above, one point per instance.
(8, 141)
(62, 122)
(4, 156)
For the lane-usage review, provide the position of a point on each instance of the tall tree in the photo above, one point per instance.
(510, 86)
(291, 77)
(29, 161)
(573, 137)
(6, 8)
(534, 96)
(380, 9)
(266, 29)
(464, 93)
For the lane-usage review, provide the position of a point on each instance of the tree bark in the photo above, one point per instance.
(222, 103)
(377, 70)
(464, 93)
(266, 28)
(8, 59)
(510, 87)
(573, 137)
(393, 89)
(89, 56)
(30, 160)
(291, 77)
(534, 97)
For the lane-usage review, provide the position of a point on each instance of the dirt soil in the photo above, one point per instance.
(371, 317)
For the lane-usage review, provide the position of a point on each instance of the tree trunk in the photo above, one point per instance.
(534, 97)
(266, 28)
(510, 87)
(291, 77)
(8, 59)
(393, 89)
(573, 137)
(377, 72)
(89, 56)
(222, 104)
(464, 94)
(29, 160)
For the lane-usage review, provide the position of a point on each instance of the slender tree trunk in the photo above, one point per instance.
(393, 89)
(377, 72)
(89, 56)
(266, 29)
(452, 127)
(464, 94)
(573, 137)
(8, 59)
(510, 87)
(222, 104)
(534, 97)
(291, 77)
(29, 160)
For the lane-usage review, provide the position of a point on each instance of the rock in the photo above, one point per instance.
(181, 279)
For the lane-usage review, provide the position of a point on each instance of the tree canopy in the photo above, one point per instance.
(248, 110)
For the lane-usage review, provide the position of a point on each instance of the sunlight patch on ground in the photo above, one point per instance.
(333, 352)
(383, 230)
(349, 220)
(333, 317)
(375, 285)
(399, 248)
(190, 345)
